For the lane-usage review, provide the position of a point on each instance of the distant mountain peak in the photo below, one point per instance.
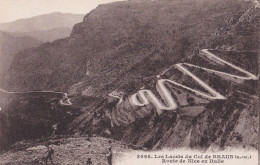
(42, 22)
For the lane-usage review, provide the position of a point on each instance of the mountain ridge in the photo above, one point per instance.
(46, 28)
(29, 24)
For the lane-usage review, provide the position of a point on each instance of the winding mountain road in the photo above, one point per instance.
(64, 101)
(144, 97)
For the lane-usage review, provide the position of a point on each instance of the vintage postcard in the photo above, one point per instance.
(129, 82)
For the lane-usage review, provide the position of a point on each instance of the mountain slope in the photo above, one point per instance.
(220, 124)
(10, 45)
(121, 48)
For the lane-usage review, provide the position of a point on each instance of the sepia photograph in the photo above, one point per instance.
(129, 82)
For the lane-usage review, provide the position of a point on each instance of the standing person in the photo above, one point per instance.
(50, 154)
(89, 162)
(88, 136)
(109, 156)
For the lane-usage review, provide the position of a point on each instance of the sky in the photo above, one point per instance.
(11, 10)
